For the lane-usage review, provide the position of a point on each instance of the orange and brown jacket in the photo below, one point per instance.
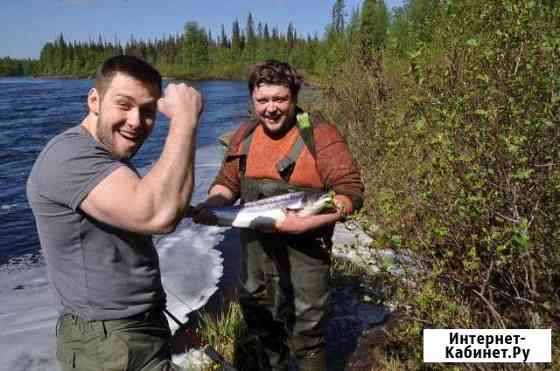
(332, 168)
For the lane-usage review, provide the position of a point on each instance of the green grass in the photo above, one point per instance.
(222, 331)
(226, 330)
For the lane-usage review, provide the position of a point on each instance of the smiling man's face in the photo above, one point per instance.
(275, 107)
(126, 114)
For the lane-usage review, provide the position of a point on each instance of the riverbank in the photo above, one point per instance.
(236, 73)
(358, 306)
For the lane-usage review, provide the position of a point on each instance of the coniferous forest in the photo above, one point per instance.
(197, 53)
(452, 110)
(193, 53)
(453, 113)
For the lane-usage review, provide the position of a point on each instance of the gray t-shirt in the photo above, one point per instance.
(98, 271)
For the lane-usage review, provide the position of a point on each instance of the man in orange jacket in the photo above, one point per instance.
(284, 279)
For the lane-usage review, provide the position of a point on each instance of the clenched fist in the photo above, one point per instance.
(181, 101)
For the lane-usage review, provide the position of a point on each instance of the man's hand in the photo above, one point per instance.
(294, 224)
(202, 215)
(181, 100)
(219, 196)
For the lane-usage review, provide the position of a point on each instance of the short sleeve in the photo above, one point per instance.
(71, 167)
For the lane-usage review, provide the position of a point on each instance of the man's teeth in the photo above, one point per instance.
(129, 136)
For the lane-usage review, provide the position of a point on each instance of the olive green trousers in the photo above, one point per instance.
(138, 343)
(283, 295)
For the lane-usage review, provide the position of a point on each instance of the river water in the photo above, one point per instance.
(32, 111)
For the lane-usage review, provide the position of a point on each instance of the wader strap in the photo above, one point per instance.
(247, 143)
(286, 165)
(245, 153)
(305, 127)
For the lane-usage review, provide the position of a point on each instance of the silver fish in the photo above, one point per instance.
(270, 210)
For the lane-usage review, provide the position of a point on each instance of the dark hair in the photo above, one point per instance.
(131, 66)
(275, 72)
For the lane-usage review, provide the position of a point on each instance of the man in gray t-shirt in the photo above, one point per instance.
(95, 217)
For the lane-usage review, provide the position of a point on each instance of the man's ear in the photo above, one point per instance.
(94, 101)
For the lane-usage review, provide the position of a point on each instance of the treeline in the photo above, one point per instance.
(17, 67)
(193, 53)
(197, 53)
(454, 116)
(80, 59)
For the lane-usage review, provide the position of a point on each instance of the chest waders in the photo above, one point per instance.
(284, 279)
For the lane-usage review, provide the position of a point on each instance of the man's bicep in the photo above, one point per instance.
(112, 200)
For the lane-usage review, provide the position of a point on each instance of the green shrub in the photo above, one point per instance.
(459, 146)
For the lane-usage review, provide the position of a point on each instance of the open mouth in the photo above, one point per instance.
(272, 120)
(129, 136)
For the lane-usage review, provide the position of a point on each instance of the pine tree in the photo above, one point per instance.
(353, 28)
(260, 31)
(338, 15)
(235, 36)
(266, 33)
(290, 36)
(250, 35)
(374, 25)
(224, 43)
(195, 47)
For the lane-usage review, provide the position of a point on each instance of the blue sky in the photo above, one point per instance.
(26, 25)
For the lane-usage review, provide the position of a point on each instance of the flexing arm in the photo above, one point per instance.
(156, 202)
